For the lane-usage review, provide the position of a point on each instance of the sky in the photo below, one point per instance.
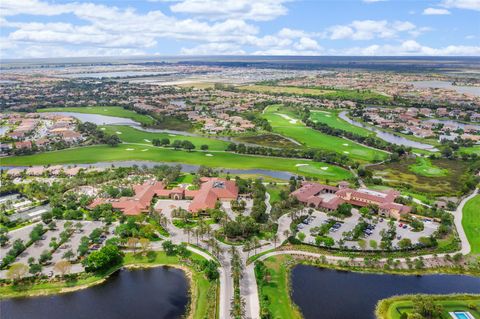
(61, 28)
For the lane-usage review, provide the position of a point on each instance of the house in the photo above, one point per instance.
(328, 198)
(212, 190)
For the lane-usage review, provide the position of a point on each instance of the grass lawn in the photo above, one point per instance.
(267, 140)
(424, 167)
(127, 152)
(287, 124)
(399, 174)
(393, 307)
(274, 192)
(117, 111)
(277, 290)
(471, 223)
(132, 135)
(470, 150)
(331, 118)
(315, 91)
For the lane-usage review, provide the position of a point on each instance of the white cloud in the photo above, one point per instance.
(214, 49)
(373, 1)
(435, 11)
(462, 4)
(370, 29)
(258, 10)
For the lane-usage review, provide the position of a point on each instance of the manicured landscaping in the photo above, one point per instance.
(274, 289)
(117, 111)
(285, 89)
(471, 223)
(392, 308)
(471, 150)
(132, 135)
(400, 174)
(125, 152)
(332, 119)
(288, 124)
(268, 140)
(424, 167)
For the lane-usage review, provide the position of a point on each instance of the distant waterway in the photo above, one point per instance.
(120, 74)
(160, 293)
(452, 122)
(389, 137)
(473, 90)
(330, 294)
(185, 168)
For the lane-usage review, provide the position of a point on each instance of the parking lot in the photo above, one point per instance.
(36, 249)
(348, 224)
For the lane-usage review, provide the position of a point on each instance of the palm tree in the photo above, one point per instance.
(247, 247)
(275, 239)
(187, 230)
(256, 243)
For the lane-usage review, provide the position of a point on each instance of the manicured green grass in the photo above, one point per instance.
(117, 111)
(424, 167)
(470, 150)
(132, 135)
(126, 152)
(399, 174)
(274, 192)
(288, 124)
(341, 94)
(471, 223)
(393, 307)
(331, 119)
(277, 289)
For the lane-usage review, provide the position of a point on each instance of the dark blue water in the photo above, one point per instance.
(157, 293)
(330, 294)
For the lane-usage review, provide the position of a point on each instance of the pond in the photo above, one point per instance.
(330, 294)
(160, 293)
(389, 137)
(446, 85)
(98, 119)
(117, 74)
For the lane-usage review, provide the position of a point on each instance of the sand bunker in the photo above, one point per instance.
(102, 128)
(118, 132)
(291, 120)
(129, 149)
(144, 150)
(297, 165)
(172, 135)
(148, 141)
(345, 144)
(208, 154)
(324, 168)
(346, 152)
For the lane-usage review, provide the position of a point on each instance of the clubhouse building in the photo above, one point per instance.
(211, 190)
(328, 198)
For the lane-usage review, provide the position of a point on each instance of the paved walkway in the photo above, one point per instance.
(458, 215)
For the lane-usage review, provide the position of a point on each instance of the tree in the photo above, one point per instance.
(211, 271)
(373, 244)
(275, 239)
(68, 255)
(188, 145)
(177, 144)
(145, 245)
(301, 236)
(169, 248)
(79, 227)
(35, 268)
(344, 210)
(405, 243)
(204, 147)
(132, 243)
(113, 140)
(3, 236)
(103, 259)
(63, 267)
(45, 257)
(17, 271)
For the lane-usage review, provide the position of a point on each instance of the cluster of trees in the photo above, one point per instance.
(237, 310)
(103, 259)
(117, 192)
(259, 208)
(177, 144)
(167, 173)
(136, 227)
(310, 153)
(242, 227)
(97, 135)
(424, 307)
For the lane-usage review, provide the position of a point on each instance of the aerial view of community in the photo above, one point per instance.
(235, 159)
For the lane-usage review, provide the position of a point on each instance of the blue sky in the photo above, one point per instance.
(43, 28)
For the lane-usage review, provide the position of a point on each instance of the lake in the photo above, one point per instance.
(330, 294)
(446, 85)
(388, 137)
(98, 119)
(160, 293)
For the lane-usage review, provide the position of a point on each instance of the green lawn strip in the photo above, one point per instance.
(424, 167)
(117, 111)
(392, 308)
(471, 223)
(277, 289)
(288, 124)
(285, 89)
(470, 150)
(132, 135)
(274, 192)
(127, 152)
(332, 119)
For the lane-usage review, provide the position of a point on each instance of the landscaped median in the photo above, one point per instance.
(203, 293)
(471, 223)
(400, 307)
(126, 152)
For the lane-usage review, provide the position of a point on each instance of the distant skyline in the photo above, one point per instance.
(48, 29)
